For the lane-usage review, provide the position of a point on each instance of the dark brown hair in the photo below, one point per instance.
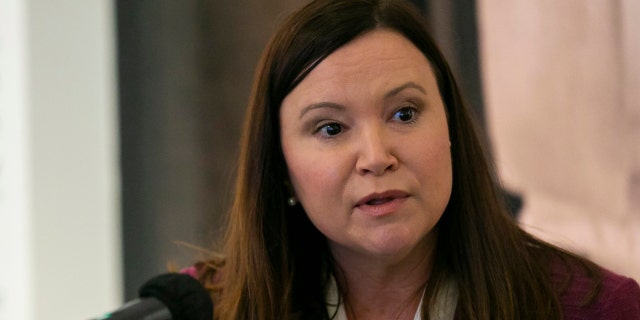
(276, 263)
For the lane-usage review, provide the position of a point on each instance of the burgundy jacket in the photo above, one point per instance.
(619, 297)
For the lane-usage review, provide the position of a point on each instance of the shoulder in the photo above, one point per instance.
(619, 297)
(596, 294)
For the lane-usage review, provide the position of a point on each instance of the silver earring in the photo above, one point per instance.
(292, 201)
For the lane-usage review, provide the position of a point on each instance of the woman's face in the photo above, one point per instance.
(366, 143)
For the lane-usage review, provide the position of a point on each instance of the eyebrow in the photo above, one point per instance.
(329, 105)
(336, 106)
(407, 85)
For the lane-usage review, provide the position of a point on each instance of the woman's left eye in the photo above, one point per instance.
(405, 114)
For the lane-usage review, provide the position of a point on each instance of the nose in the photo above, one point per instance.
(375, 154)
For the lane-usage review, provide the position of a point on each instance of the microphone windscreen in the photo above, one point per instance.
(185, 296)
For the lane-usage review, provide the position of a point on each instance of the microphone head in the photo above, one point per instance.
(185, 297)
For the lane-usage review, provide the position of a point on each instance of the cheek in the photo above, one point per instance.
(305, 178)
(444, 171)
(313, 174)
(434, 166)
(440, 156)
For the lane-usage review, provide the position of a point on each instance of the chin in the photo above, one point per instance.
(391, 244)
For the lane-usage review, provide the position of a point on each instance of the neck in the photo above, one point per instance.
(383, 288)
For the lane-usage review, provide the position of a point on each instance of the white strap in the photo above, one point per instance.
(446, 302)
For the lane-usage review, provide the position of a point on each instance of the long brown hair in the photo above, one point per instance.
(276, 263)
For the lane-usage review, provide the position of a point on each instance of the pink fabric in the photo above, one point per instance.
(197, 270)
(192, 271)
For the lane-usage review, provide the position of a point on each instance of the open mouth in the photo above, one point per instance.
(374, 202)
(375, 199)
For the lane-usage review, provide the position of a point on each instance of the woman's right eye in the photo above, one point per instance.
(329, 129)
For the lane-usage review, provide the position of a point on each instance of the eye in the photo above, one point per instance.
(405, 114)
(329, 129)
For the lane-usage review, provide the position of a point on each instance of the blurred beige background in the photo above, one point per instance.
(561, 83)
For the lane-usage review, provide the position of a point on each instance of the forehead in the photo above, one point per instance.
(379, 58)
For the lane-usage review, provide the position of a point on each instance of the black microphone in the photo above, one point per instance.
(171, 296)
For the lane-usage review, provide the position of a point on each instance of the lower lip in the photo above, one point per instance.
(383, 208)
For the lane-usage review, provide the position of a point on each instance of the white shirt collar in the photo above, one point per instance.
(444, 308)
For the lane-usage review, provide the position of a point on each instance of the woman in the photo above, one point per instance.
(363, 191)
